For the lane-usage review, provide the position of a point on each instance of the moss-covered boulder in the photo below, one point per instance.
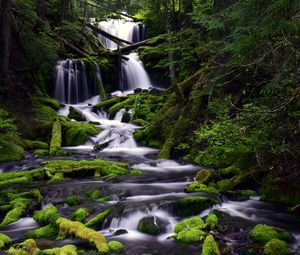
(263, 234)
(206, 176)
(80, 214)
(98, 219)
(48, 231)
(41, 152)
(194, 222)
(4, 240)
(72, 200)
(76, 114)
(28, 247)
(192, 205)
(9, 150)
(211, 220)
(190, 235)
(65, 250)
(225, 184)
(152, 225)
(210, 246)
(116, 246)
(200, 187)
(276, 247)
(31, 145)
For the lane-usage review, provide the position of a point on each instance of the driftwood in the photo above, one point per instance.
(109, 36)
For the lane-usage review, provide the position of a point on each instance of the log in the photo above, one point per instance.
(109, 36)
(75, 49)
(126, 15)
(133, 46)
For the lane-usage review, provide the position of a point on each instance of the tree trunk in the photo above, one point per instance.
(5, 37)
(41, 8)
(64, 7)
(187, 9)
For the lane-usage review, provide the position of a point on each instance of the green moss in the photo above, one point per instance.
(190, 235)
(41, 152)
(139, 122)
(10, 151)
(212, 220)
(72, 200)
(276, 247)
(200, 187)
(80, 214)
(57, 177)
(116, 246)
(13, 181)
(210, 246)
(225, 184)
(55, 143)
(194, 222)
(136, 172)
(94, 194)
(205, 176)
(76, 114)
(263, 234)
(45, 113)
(28, 247)
(65, 250)
(4, 239)
(77, 229)
(2, 244)
(47, 216)
(115, 108)
(51, 102)
(193, 205)
(126, 117)
(106, 104)
(98, 219)
(13, 216)
(35, 145)
(48, 231)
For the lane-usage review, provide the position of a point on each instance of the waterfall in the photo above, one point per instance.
(133, 73)
(74, 84)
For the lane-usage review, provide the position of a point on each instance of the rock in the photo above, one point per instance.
(76, 114)
(137, 91)
(276, 247)
(210, 246)
(116, 246)
(194, 222)
(126, 117)
(152, 225)
(206, 176)
(120, 232)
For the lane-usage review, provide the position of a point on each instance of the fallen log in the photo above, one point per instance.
(75, 49)
(133, 46)
(109, 36)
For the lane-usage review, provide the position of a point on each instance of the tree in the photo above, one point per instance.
(41, 8)
(63, 10)
(5, 36)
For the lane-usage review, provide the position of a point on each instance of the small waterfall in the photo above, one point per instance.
(133, 73)
(73, 83)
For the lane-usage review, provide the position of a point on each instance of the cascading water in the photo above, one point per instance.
(133, 73)
(73, 83)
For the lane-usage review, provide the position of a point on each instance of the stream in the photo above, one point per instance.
(135, 197)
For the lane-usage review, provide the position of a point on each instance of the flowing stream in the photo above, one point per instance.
(134, 197)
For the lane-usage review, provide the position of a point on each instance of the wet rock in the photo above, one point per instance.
(76, 114)
(152, 225)
(206, 176)
(137, 91)
(120, 232)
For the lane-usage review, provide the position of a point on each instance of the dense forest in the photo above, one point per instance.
(150, 127)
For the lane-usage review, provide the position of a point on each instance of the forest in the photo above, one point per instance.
(149, 127)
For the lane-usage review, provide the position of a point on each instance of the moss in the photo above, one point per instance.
(212, 220)
(13, 216)
(47, 216)
(230, 171)
(225, 184)
(51, 102)
(76, 114)
(80, 214)
(210, 246)
(205, 176)
(194, 222)
(48, 231)
(41, 152)
(13, 181)
(2, 244)
(56, 178)
(55, 143)
(45, 113)
(136, 172)
(65, 250)
(106, 104)
(139, 122)
(94, 194)
(263, 234)
(4, 239)
(98, 219)
(199, 187)
(77, 133)
(115, 108)
(193, 205)
(190, 235)
(126, 117)
(72, 200)
(116, 246)
(35, 145)
(10, 151)
(77, 229)
(240, 194)
(28, 247)
(276, 247)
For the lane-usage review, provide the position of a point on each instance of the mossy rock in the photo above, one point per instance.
(263, 234)
(200, 187)
(49, 232)
(13, 216)
(41, 152)
(35, 145)
(51, 102)
(72, 200)
(45, 113)
(106, 104)
(193, 205)
(4, 240)
(57, 178)
(205, 176)
(76, 114)
(116, 246)
(93, 194)
(28, 247)
(10, 151)
(194, 222)
(80, 214)
(210, 246)
(117, 107)
(276, 247)
(190, 235)
(98, 219)
(212, 220)
(65, 250)
(225, 184)
(126, 117)
(136, 172)
(152, 225)
(47, 216)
